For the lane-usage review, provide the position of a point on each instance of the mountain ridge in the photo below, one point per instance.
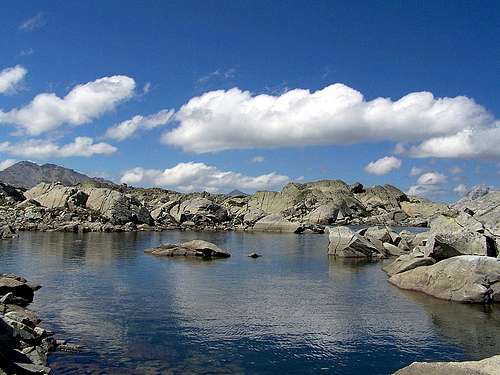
(26, 174)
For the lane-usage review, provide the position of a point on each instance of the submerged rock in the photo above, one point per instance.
(488, 366)
(195, 248)
(465, 278)
(254, 255)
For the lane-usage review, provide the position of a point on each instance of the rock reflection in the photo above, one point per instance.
(474, 328)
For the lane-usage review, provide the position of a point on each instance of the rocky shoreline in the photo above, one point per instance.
(298, 208)
(458, 259)
(24, 344)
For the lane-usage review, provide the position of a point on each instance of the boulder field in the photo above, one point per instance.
(458, 259)
(298, 208)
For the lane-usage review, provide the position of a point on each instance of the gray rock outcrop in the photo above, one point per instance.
(195, 248)
(344, 242)
(487, 366)
(277, 223)
(465, 278)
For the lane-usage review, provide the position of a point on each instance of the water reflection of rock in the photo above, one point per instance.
(475, 328)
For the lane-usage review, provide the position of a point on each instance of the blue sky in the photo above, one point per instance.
(221, 88)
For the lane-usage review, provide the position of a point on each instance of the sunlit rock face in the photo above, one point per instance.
(466, 278)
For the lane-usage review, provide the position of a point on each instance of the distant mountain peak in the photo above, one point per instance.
(26, 174)
(236, 193)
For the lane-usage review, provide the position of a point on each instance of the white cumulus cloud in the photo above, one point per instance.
(428, 184)
(257, 159)
(383, 165)
(337, 114)
(43, 149)
(127, 128)
(461, 189)
(81, 105)
(456, 170)
(199, 176)
(466, 144)
(10, 78)
(415, 171)
(432, 178)
(4, 164)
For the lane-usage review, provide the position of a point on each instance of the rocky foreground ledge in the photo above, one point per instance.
(24, 345)
(488, 366)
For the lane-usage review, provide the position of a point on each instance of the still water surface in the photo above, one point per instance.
(293, 311)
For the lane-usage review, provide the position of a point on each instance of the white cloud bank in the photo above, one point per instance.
(235, 119)
(415, 171)
(383, 165)
(43, 149)
(81, 105)
(127, 128)
(428, 184)
(466, 144)
(4, 164)
(10, 78)
(199, 176)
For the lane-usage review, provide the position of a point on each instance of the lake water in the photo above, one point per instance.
(293, 311)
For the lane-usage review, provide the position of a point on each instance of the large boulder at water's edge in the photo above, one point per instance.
(117, 207)
(346, 243)
(407, 262)
(460, 233)
(197, 210)
(16, 289)
(465, 278)
(488, 366)
(195, 248)
(276, 223)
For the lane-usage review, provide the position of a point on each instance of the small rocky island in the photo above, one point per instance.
(196, 248)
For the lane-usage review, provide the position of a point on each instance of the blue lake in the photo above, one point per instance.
(293, 311)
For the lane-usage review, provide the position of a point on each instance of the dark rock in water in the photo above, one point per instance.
(195, 248)
(254, 255)
(20, 290)
(69, 348)
(488, 366)
(7, 232)
(465, 278)
(24, 345)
